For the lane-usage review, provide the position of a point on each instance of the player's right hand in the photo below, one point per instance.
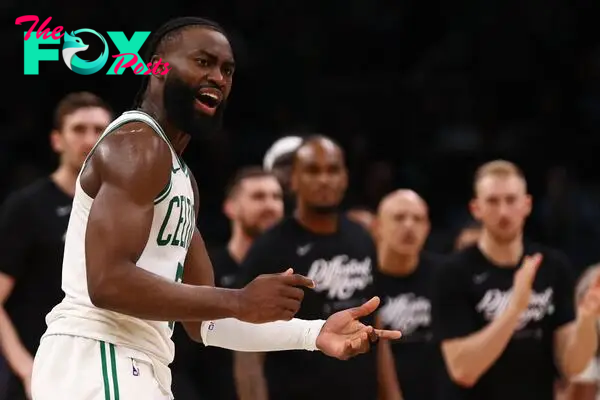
(523, 282)
(272, 297)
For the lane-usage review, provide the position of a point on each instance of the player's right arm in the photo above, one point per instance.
(127, 171)
(469, 355)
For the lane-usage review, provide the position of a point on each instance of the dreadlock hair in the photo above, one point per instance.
(167, 33)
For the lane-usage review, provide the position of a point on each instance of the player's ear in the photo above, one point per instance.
(162, 67)
(56, 141)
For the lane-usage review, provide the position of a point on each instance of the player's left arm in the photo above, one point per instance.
(575, 335)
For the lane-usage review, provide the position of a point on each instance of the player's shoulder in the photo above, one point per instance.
(137, 134)
(133, 150)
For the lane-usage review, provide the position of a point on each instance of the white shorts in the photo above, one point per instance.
(76, 368)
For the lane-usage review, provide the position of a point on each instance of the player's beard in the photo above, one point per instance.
(179, 99)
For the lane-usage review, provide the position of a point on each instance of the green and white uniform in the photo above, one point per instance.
(91, 353)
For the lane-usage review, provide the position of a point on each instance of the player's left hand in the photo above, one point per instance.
(589, 305)
(343, 336)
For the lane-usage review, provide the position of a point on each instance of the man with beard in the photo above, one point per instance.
(30, 270)
(253, 203)
(339, 255)
(503, 309)
(132, 234)
(412, 365)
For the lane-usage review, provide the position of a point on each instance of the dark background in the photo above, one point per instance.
(418, 92)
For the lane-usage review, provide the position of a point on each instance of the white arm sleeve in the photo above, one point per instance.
(233, 334)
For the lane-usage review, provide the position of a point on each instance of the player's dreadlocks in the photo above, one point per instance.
(164, 34)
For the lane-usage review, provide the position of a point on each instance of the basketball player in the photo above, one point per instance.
(413, 364)
(253, 203)
(503, 309)
(30, 269)
(132, 234)
(585, 385)
(339, 255)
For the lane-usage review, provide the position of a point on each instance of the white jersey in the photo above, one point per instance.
(164, 254)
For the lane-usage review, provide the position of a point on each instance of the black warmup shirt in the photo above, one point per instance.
(33, 224)
(343, 266)
(470, 290)
(201, 372)
(406, 306)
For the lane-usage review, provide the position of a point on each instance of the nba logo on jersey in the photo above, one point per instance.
(211, 326)
(134, 369)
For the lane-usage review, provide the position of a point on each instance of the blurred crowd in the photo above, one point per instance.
(280, 209)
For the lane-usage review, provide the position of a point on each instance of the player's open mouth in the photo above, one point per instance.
(208, 99)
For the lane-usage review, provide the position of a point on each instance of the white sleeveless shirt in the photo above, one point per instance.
(172, 228)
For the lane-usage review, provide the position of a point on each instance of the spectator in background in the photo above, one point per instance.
(253, 203)
(33, 222)
(412, 365)
(585, 385)
(501, 321)
(339, 255)
(468, 236)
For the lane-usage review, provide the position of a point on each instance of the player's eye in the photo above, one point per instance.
(203, 62)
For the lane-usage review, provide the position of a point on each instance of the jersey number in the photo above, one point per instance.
(178, 279)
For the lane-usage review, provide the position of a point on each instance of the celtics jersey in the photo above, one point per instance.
(172, 228)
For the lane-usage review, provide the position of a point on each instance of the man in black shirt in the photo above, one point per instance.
(253, 203)
(339, 255)
(503, 309)
(411, 365)
(33, 222)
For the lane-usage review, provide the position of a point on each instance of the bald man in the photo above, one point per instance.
(413, 364)
(339, 255)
